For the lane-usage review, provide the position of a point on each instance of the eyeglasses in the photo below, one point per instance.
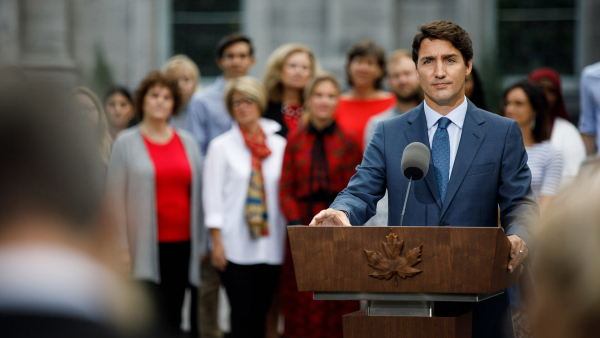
(237, 103)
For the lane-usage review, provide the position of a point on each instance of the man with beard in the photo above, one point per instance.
(403, 81)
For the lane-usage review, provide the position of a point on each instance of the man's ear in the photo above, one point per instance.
(218, 62)
(469, 68)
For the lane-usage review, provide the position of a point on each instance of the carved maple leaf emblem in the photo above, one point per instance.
(392, 263)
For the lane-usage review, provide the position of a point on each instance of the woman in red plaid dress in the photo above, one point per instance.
(319, 160)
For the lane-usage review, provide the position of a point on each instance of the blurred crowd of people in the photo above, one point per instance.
(201, 183)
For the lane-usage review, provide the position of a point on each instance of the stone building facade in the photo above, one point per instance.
(76, 40)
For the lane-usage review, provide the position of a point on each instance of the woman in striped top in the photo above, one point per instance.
(526, 103)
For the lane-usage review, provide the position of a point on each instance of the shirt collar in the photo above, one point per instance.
(328, 130)
(457, 116)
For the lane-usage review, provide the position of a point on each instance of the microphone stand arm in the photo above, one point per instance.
(405, 200)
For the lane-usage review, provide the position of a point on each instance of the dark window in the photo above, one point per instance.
(199, 24)
(536, 33)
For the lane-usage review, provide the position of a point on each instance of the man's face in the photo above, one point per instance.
(442, 71)
(403, 80)
(236, 60)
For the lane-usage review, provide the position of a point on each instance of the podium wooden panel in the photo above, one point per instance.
(359, 325)
(457, 264)
(453, 259)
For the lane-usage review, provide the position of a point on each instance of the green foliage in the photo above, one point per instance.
(102, 77)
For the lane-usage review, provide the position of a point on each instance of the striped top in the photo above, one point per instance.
(546, 164)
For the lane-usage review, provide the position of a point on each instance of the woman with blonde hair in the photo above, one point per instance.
(182, 68)
(318, 163)
(289, 68)
(89, 104)
(241, 200)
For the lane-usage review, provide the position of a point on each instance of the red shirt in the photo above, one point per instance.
(173, 176)
(352, 115)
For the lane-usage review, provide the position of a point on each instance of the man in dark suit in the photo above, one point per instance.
(478, 162)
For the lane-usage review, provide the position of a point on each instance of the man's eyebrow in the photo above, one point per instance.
(447, 56)
(427, 57)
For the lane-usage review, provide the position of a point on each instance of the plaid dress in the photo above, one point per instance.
(317, 165)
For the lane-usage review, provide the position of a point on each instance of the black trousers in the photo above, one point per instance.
(168, 296)
(491, 317)
(250, 290)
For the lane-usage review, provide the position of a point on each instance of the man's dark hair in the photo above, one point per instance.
(367, 48)
(50, 162)
(444, 30)
(230, 40)
(537, 100)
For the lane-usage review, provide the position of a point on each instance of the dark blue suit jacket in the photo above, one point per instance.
(490, 170)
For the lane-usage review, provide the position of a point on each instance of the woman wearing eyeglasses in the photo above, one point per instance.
(241, 201)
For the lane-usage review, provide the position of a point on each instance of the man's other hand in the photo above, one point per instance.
(518, 252)
(330, 217)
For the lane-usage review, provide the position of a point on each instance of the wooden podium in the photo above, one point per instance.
(402, 272)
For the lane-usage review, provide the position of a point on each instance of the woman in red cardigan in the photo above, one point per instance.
(319, 160)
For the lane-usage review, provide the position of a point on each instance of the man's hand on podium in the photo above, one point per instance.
(330, 217)
(518, 252)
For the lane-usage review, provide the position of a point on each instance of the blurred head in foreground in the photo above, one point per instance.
(567, 267)
(52, 243)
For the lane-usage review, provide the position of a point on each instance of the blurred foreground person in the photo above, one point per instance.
(187, 74)
(288, 70)
(54, 244)
(155, 187)
(365, 70)
(241, 201)
(404, 83)
(563, 134)
(89, 105)
(118, 105)
(566, 272)
(318, 163)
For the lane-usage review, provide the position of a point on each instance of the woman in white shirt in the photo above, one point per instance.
(564, 135)
(241, 201)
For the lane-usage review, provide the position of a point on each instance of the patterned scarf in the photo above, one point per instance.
(256, 206)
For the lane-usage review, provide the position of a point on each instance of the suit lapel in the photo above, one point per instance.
(417, 132)
(471, 139)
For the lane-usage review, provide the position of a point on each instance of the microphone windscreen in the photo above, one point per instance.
(415, 161)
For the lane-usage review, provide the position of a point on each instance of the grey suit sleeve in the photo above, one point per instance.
(518, 209)
(367, 186)
(116, 189)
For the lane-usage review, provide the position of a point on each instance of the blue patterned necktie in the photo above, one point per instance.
(441, 156)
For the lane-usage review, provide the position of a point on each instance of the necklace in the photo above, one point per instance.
(292, 112)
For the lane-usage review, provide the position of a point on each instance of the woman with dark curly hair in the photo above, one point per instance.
(155, 186)
(365, 70)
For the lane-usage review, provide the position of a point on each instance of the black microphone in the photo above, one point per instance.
(415, 165)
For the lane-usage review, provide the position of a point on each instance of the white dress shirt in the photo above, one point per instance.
(566, 138)
(457, 116)
(227, 171)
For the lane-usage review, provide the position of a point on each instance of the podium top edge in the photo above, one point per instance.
(390, 296)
